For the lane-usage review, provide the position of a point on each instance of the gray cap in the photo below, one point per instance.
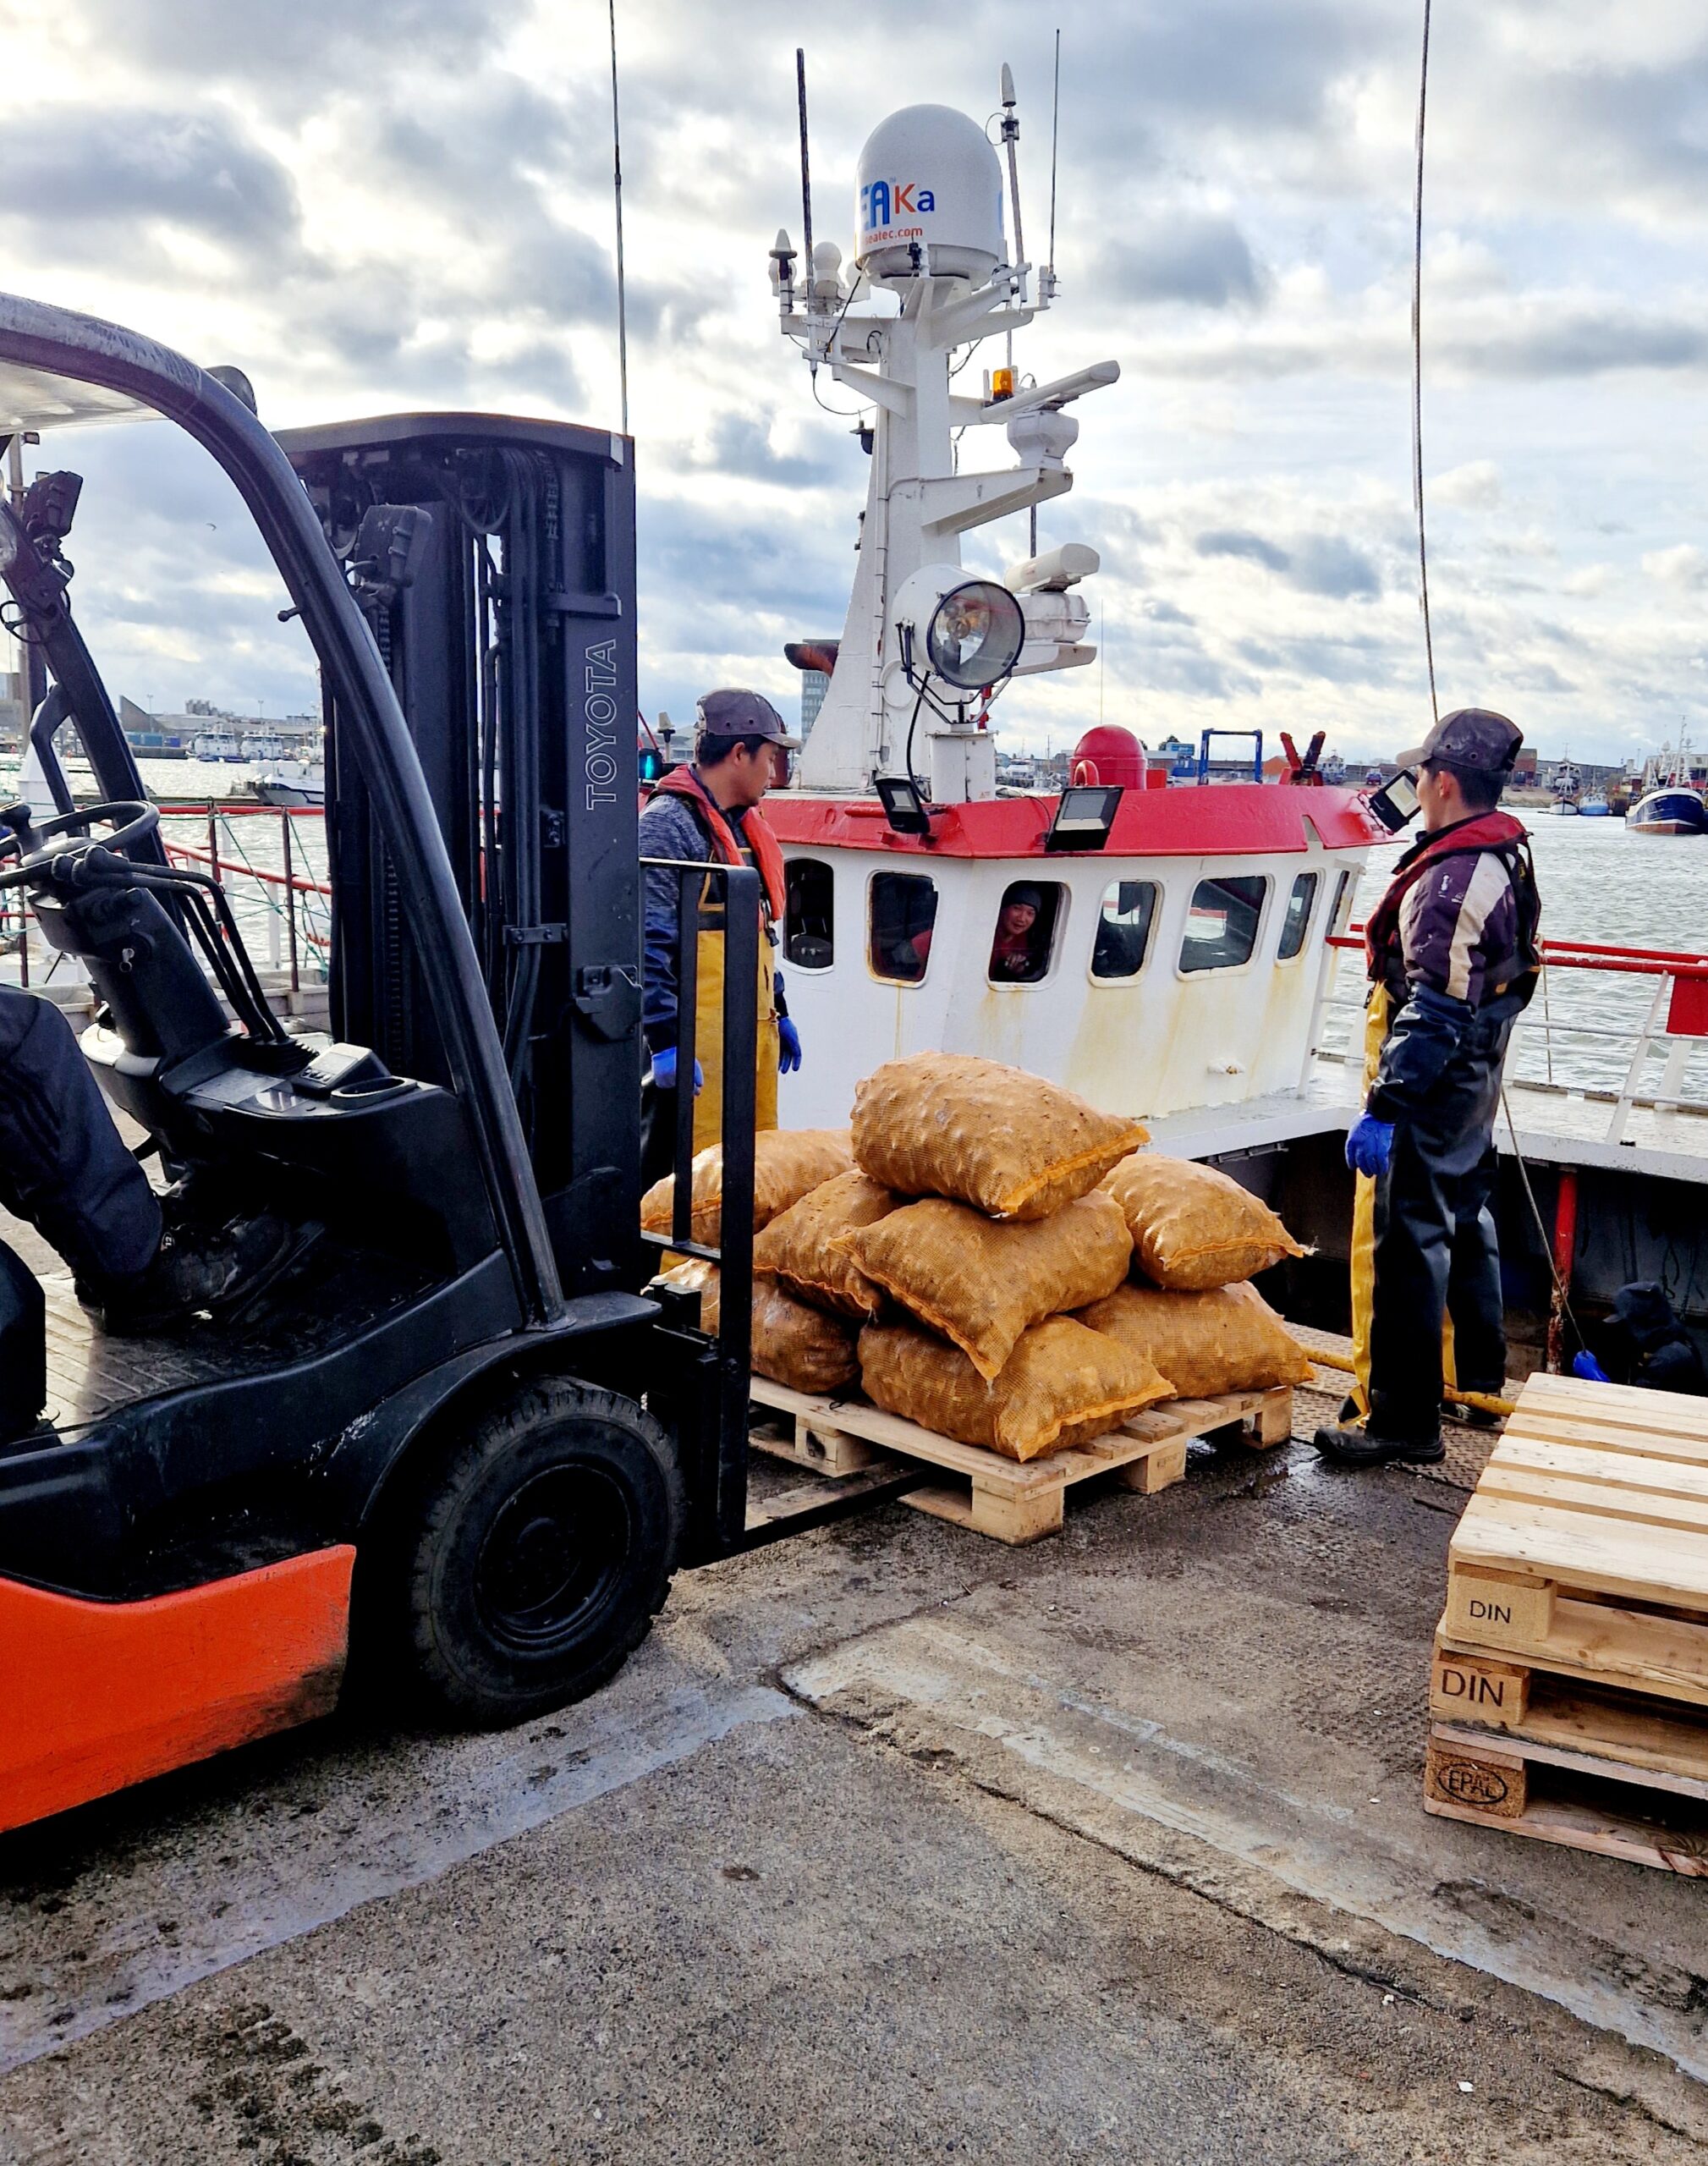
(734, 712)
(1469, 737)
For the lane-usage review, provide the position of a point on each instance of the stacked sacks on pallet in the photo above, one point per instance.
(1197, 1238)
(1009, 1233)
(791, 1342)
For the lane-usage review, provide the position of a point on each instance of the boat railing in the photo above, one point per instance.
(1671, 1026)
(271, 859)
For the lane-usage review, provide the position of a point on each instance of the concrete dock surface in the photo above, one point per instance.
(892, 1843)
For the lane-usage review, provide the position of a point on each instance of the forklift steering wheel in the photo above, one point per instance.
(32, 846)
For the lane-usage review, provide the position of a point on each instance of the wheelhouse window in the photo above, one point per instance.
(1024, 938)
(1221, 925)
(1123, 938)
(1300, 903)
(809, 926)
(1341, 912)
(903, 907)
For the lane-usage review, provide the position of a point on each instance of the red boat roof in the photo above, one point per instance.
(1219, 820)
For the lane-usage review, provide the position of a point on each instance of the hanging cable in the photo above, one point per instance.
(1417, 455)
(616, 190)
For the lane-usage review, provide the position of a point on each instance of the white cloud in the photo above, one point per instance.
(1475, 487)
(1684, 566)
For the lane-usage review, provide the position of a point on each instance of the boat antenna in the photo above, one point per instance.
(1047, 280)
(1417, 455)
(617, 187)
(1011, 136)
(805, 186)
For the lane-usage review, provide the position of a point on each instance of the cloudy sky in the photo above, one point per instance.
(407, 205)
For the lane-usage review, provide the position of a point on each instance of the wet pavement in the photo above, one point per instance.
(890, 1842)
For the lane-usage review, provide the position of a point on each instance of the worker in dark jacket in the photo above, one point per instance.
(1453, 958)
(65, 1169)
(711, 810)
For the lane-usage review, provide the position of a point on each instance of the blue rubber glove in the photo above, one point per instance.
(1368, 1144)
(1585, 1365)
(787, 1047)
(664, 1071)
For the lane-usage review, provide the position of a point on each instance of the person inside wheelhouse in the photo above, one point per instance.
(1020, 949)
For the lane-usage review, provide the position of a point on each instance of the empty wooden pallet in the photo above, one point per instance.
(999, 1497)
(1584, 1551)
(1569, 1692)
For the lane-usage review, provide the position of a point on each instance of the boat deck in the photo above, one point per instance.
(1551, 1125)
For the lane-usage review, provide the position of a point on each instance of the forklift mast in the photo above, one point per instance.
(494, 560)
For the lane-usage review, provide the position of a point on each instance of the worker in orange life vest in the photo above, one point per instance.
(711, 810)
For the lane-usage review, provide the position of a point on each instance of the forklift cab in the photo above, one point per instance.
(457, 1426)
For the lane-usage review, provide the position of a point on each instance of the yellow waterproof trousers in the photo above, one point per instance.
(1376, 1021)
(708, 1041)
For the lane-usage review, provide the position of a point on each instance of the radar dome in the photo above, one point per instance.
(929, 197)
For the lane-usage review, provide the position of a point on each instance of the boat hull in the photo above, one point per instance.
(1668, 812)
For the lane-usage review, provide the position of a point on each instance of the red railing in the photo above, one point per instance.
(1676, 1018)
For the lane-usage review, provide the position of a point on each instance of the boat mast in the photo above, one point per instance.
(936, 276)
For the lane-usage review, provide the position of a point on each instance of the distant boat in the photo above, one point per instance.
(1595, 807)
(297, 784)
(1671, 802)
(1567, 807)
(1669, 811)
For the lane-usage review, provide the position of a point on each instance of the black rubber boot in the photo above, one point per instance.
(1351, 1446)
(217, 1270)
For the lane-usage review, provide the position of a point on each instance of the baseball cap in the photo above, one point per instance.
(734, 712)
(1469, 737)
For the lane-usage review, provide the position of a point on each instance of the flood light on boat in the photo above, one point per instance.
(905, 806)
(1085, 817)
(1395, 803)
(975, 636)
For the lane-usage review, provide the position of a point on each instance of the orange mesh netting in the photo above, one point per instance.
(1192, 1227)
(943, 1123)
(980, 1282)
(791, 1344)
(1226, 1339)
(799, 1249)
(1063, 1385)
(787, 1163)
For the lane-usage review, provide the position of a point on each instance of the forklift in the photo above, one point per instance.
(460, 1447)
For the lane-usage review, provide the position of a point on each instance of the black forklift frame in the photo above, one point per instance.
(700, 1388)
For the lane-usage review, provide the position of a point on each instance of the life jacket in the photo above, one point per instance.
(755, 831)
(1495, 831)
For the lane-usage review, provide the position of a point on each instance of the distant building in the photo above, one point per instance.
(814, 659)
(814, 685)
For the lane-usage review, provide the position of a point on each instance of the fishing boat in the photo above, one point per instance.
(1187, 936)
(1593, 806)
(1672, 799)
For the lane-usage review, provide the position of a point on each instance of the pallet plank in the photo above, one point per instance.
(1644, 1473)
(1609, 1504)
(1537, 1425)
(1652, 1565)
(1596, 1642)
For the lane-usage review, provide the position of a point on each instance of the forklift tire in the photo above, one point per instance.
(540, 1553)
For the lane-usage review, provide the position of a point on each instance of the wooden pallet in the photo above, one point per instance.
(999, 1497)
(1565, 1786)
(1584, 1552)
